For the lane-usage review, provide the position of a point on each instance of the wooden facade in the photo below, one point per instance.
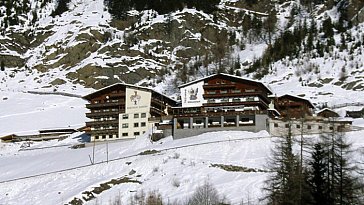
(227, 93)
(107, 104)
(290, 106)
(327, 113)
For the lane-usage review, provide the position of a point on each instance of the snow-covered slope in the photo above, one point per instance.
(175, 171)
(25, 113)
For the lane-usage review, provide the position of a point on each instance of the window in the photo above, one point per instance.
(125, 125)
(110, 136)
(136, 133)
(275, 124)
(211, 100)
(136, 124)
(125, 134)
(125, 116)
(116, 136)
(211, 92)
(331, 128)
(236, 91)
(223, 91)
(236, 99)
(286, 125)
(96, 137)
(143, 124)
(298, 126)
(320, 127)
(225, 100)
(136, 115)
(143, 115)
(250, 99)
(103, 136)
(309, 127)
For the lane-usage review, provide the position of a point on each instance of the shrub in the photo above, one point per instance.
(205, 194)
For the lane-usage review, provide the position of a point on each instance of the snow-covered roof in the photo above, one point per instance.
(129, 86)
(326, 109)
(274, 110)
(297, 97)
(227, 75)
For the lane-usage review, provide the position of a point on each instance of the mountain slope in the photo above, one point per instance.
(86, 47)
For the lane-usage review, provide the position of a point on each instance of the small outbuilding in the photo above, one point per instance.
(290, 106)
(327, 113)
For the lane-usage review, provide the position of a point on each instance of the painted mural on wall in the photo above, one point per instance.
(192, 95)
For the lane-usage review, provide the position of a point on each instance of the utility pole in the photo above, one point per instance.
(107, 151)
(301, 160)
(93, 153)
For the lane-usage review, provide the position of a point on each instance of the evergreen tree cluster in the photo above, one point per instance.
(16, 11)
(119, 8)
(326, 177)
(62, 6)
(13, 10)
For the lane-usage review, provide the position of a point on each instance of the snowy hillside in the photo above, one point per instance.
(86, 47)
(175, 170)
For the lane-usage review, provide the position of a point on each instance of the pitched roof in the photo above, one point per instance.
(298, 98)
(89, 96)
(227, 75)
(326, 109)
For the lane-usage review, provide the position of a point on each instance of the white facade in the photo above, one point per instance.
(281, 128)
(192, 95)
(134, 121)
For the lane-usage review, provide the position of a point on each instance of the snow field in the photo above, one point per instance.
(175, 173)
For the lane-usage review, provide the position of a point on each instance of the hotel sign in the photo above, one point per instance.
(137, 101)
(192, 95)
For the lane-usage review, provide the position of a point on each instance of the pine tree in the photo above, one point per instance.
(2, 66)
(341, 185)
(283, 185)
(327, 28)
(317, 172)
(343, 45)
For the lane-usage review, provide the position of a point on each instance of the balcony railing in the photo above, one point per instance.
(220, 113)
(259, 102)
(103, 122)
(100, 114)
(107, 104)
(104, 131)
(208, 86)
(230, 94)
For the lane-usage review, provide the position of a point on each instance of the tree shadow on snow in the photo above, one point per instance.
(83, 137)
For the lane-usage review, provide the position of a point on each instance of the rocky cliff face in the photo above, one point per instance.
(86, 47)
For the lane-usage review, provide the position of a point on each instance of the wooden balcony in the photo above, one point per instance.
(105, 122)
(218, 86)
(104, 132)
(158, 102)
(108, 104)
(220, 113)
(259, 103)
(114, 95)
(101, 114)
(230, 94)
(157, 111)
